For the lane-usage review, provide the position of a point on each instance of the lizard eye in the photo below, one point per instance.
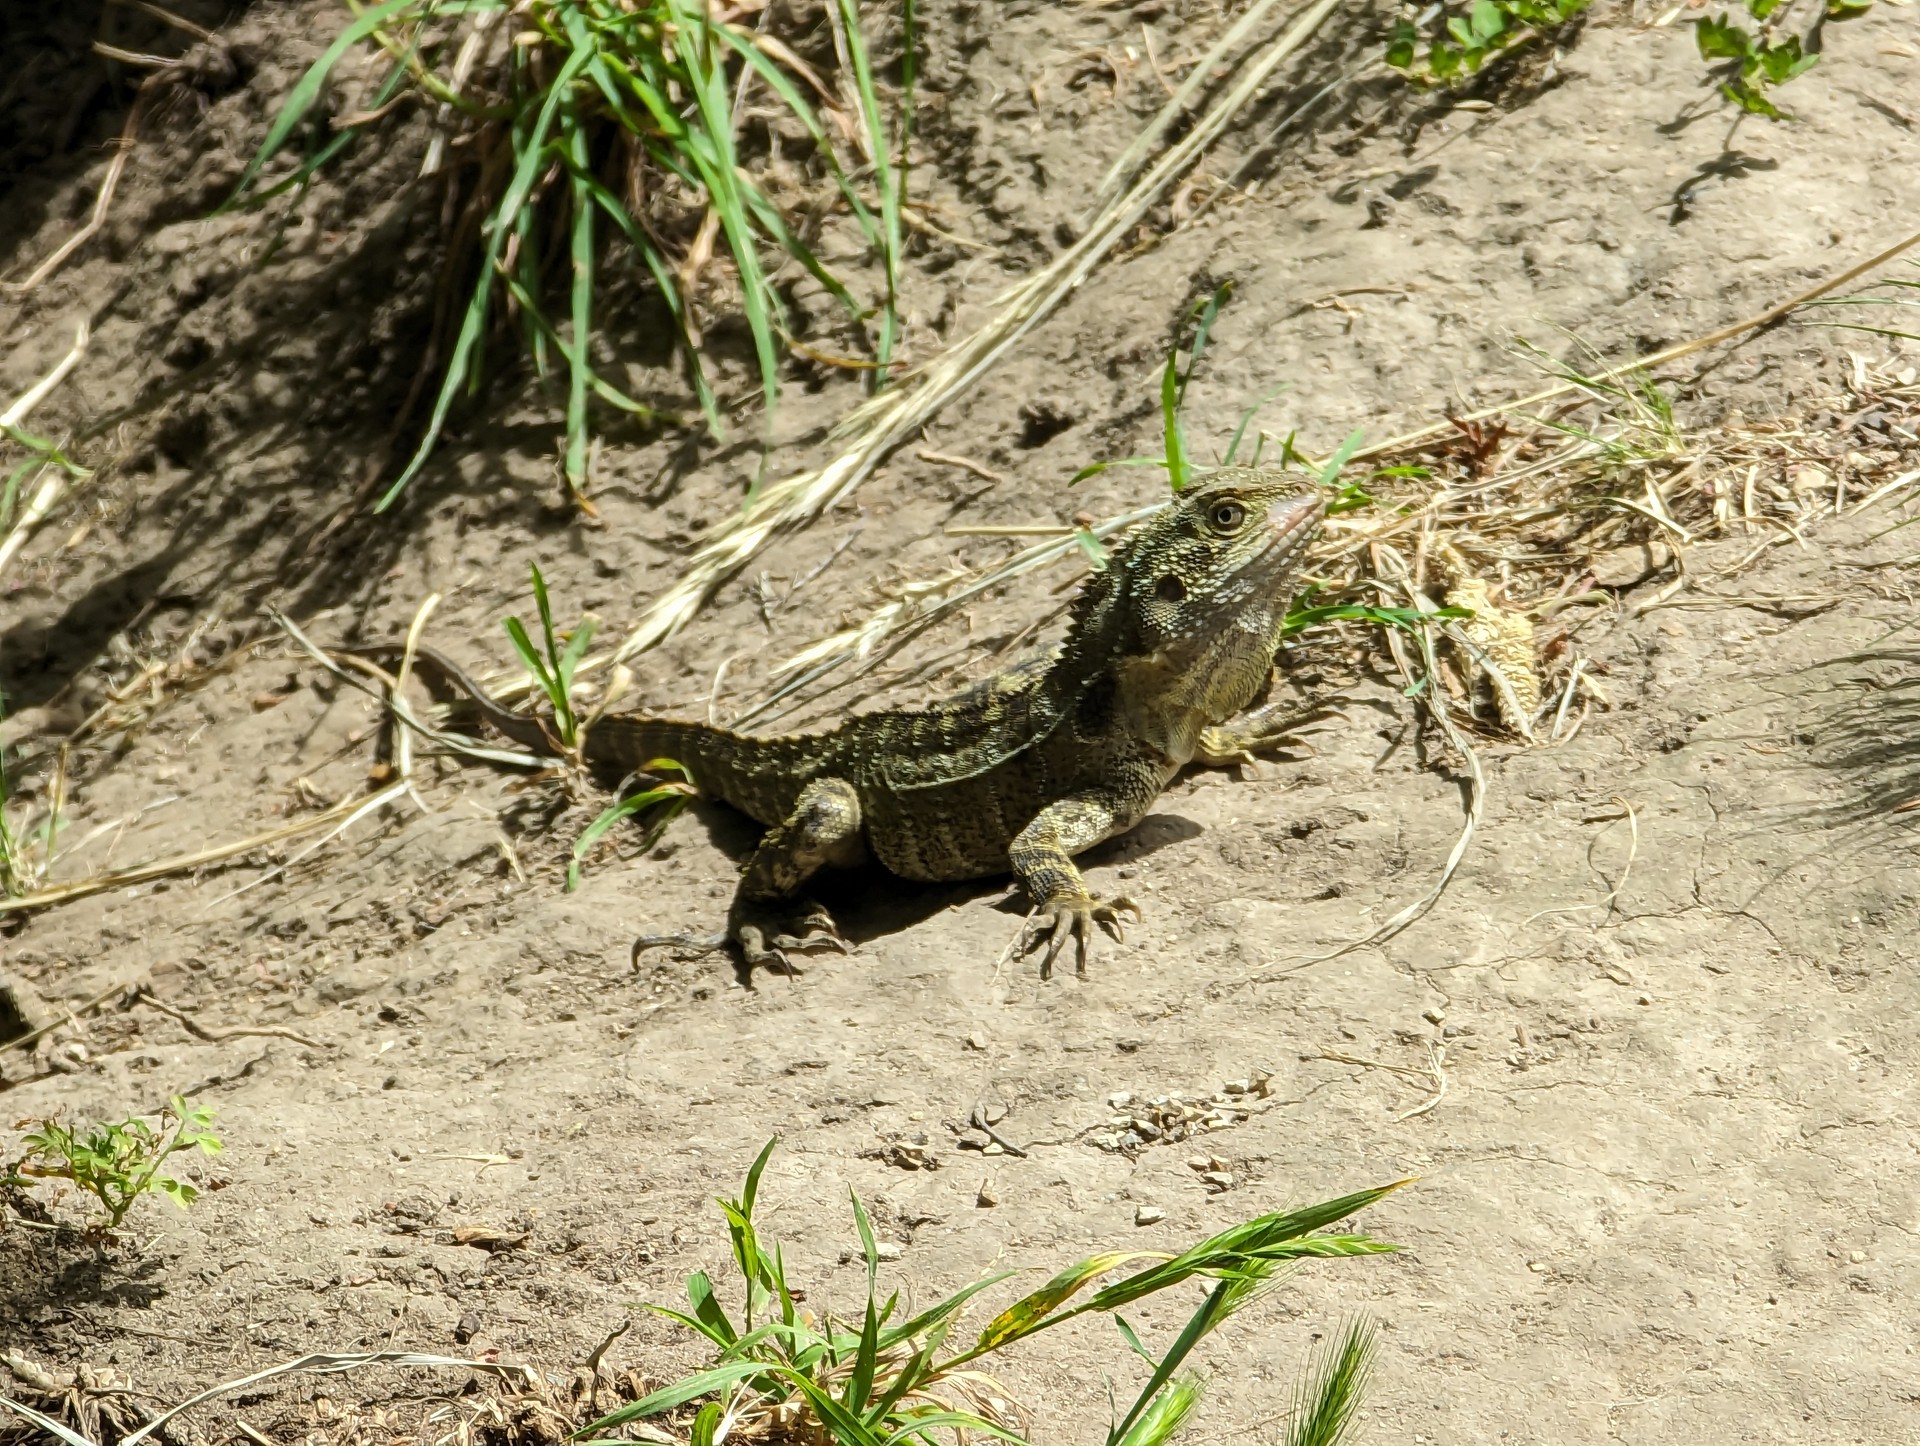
(1171, 589)
(1227, 516)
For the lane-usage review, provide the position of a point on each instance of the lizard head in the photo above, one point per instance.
(1204, 586)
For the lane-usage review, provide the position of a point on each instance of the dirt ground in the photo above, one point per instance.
(1670, 1191)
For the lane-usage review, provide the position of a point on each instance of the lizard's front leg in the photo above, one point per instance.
(822, 831)
(1042, 857)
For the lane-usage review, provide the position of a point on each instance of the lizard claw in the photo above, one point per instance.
(759, 954)
(813, 939)
(821, 933)
(759, 951)
(1073, 919)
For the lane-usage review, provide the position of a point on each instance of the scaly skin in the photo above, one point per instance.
(1028, 768)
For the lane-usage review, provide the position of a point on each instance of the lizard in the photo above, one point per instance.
(1166, 644)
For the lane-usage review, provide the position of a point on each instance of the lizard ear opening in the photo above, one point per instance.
(1170, 589)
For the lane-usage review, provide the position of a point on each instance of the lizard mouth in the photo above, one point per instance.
(1290, 527)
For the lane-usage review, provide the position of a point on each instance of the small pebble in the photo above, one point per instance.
(1434, 1016)
(1856, 1256)
(1644, 999)
(1538, 1267)
(1119, 1099)
(887, 1250)
(1148, 1215)
(976, 1040)
(986, 1199)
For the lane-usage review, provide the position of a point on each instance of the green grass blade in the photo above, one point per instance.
(889, 189)
(1165, 1413)
(322, 158)
(866, 1361)
(1246, 420)
(1325, 1407)
(1132, 1338)
(1212, 1311)
(1025, 1315)
(669, 288)
(536, 665)
(1170, 421)
(704, 1424)
(1209, 311)
(1234, 1247)
(918, 1425)
(708, 1310)
(867, 1242)
(845, 1428)
(307, 91)
(576, 649)
(725, 181)
(936, 1315)
(673, 795)
(688, 1388)
(778, 81)
(752, 1190)
(526, 172)
(1330, 473)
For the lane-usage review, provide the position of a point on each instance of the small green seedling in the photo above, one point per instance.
(553, 666)
(1755, 61)
(668, 797)
(889, 1377)
(26, 841)
(117, 1164)
(1447, 45)
(553, 670)
(41, 454)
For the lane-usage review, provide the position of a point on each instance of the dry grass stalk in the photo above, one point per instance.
(1499, 644)
(1647, 363)
(55, 481)
(894, 418)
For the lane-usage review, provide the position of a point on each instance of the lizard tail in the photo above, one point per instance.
(760, 777)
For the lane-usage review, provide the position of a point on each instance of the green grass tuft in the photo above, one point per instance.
(567, 114)
(889, 1377)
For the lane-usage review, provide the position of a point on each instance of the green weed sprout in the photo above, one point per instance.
(26, 845)
(583, 117)
(553, 669)
(1748, 54)
(668, 796)
(1447, 45)
(889, 1379)
(117, 1164)
(553, 665)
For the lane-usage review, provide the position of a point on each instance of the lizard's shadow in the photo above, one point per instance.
(869, 903)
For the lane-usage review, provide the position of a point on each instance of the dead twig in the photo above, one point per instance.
(965, 464)
(216, 1036)
(979, 1122)
(69, 1017)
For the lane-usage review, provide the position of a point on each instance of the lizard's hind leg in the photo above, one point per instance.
(823, 831)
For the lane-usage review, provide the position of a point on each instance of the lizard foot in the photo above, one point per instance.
(821, 933)
(1073, 918)
(818, 932)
